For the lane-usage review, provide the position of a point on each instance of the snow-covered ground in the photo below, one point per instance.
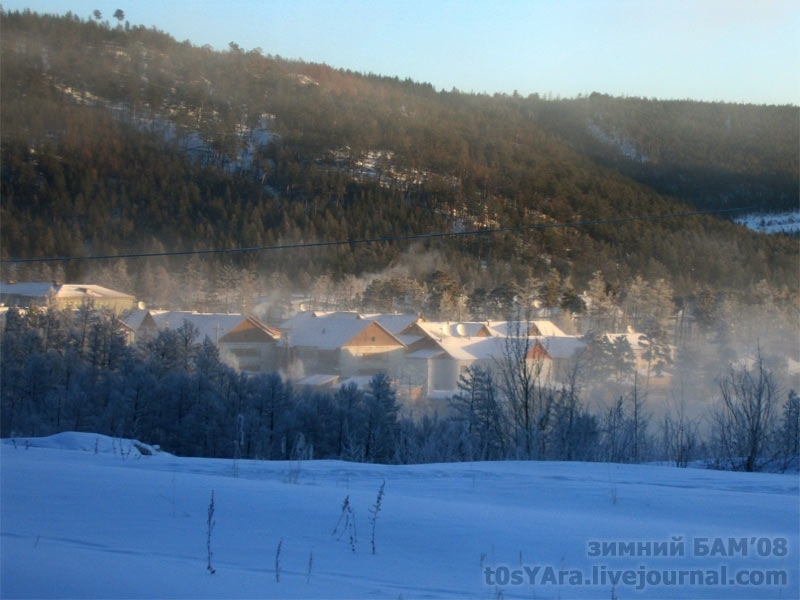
(785, 222)
(86, 516)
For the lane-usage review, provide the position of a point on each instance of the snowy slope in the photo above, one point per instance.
(786, 222)
(93, 517)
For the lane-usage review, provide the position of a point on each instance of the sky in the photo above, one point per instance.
(712, 50)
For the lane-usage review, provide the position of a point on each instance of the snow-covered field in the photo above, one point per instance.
(86, 516)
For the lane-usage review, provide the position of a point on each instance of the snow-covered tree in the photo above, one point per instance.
(380, 429)
(478, 408)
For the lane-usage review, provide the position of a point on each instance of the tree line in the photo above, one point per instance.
(73, 370)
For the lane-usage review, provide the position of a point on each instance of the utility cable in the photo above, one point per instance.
(397, 238)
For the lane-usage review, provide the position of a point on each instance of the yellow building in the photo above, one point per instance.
(67, 295)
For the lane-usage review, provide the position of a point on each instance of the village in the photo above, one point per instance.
(321, 350)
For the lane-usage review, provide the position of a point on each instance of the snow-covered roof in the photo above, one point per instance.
(297, 320)
(33, 289)
(464, 329)
(211, 325)
(328, 331)
(426, 353)
(250, 330)
(471, 349)
(488, 348)
(134, 318)
(319, 380)
(30, 289)
(88, 291)
(409, 339)
(561, 346)
(541, 327)
(393, 323)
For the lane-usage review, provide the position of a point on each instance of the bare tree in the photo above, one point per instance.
(575, 431)
(624, 429)
(789, 433)
(744, 419)
(638, 423)
(520, 370)
(679, 435)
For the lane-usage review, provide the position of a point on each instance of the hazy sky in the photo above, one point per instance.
(731, 50)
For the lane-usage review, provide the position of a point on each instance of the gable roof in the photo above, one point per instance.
(250, 330)
(298, 320)
(483, 348)
(318, 381)
(29, 289)
(65, 291)
(211, 325)
(134, 318)
(396, 324)
(87, 291)
(333, 332)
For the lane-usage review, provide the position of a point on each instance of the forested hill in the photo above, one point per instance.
(118, 139)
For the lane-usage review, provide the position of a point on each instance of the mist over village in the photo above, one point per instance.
(351, 295)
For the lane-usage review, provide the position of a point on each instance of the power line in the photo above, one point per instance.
(398, 238)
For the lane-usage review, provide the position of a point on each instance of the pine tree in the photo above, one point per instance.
(381, 420)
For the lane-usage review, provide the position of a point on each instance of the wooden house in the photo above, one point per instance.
(250, 346)
(345, 344)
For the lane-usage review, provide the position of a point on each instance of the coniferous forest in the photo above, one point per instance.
(202, 179)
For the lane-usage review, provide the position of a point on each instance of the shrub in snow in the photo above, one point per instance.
(373, 513)
(210, 523)
(278, 561)
(346, 525)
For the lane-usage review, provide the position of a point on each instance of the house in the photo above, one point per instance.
(250, 346)
(344, 344)
(445, 352)
(209, 325)
(142, 323)
(64, 295)
(244, 343)
(325, 350)
(139, 324)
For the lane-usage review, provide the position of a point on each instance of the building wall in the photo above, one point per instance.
(445, 373)
(368, 360)
(115, 305)
(257, 357)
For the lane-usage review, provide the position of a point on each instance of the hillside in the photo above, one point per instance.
(124, 141)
